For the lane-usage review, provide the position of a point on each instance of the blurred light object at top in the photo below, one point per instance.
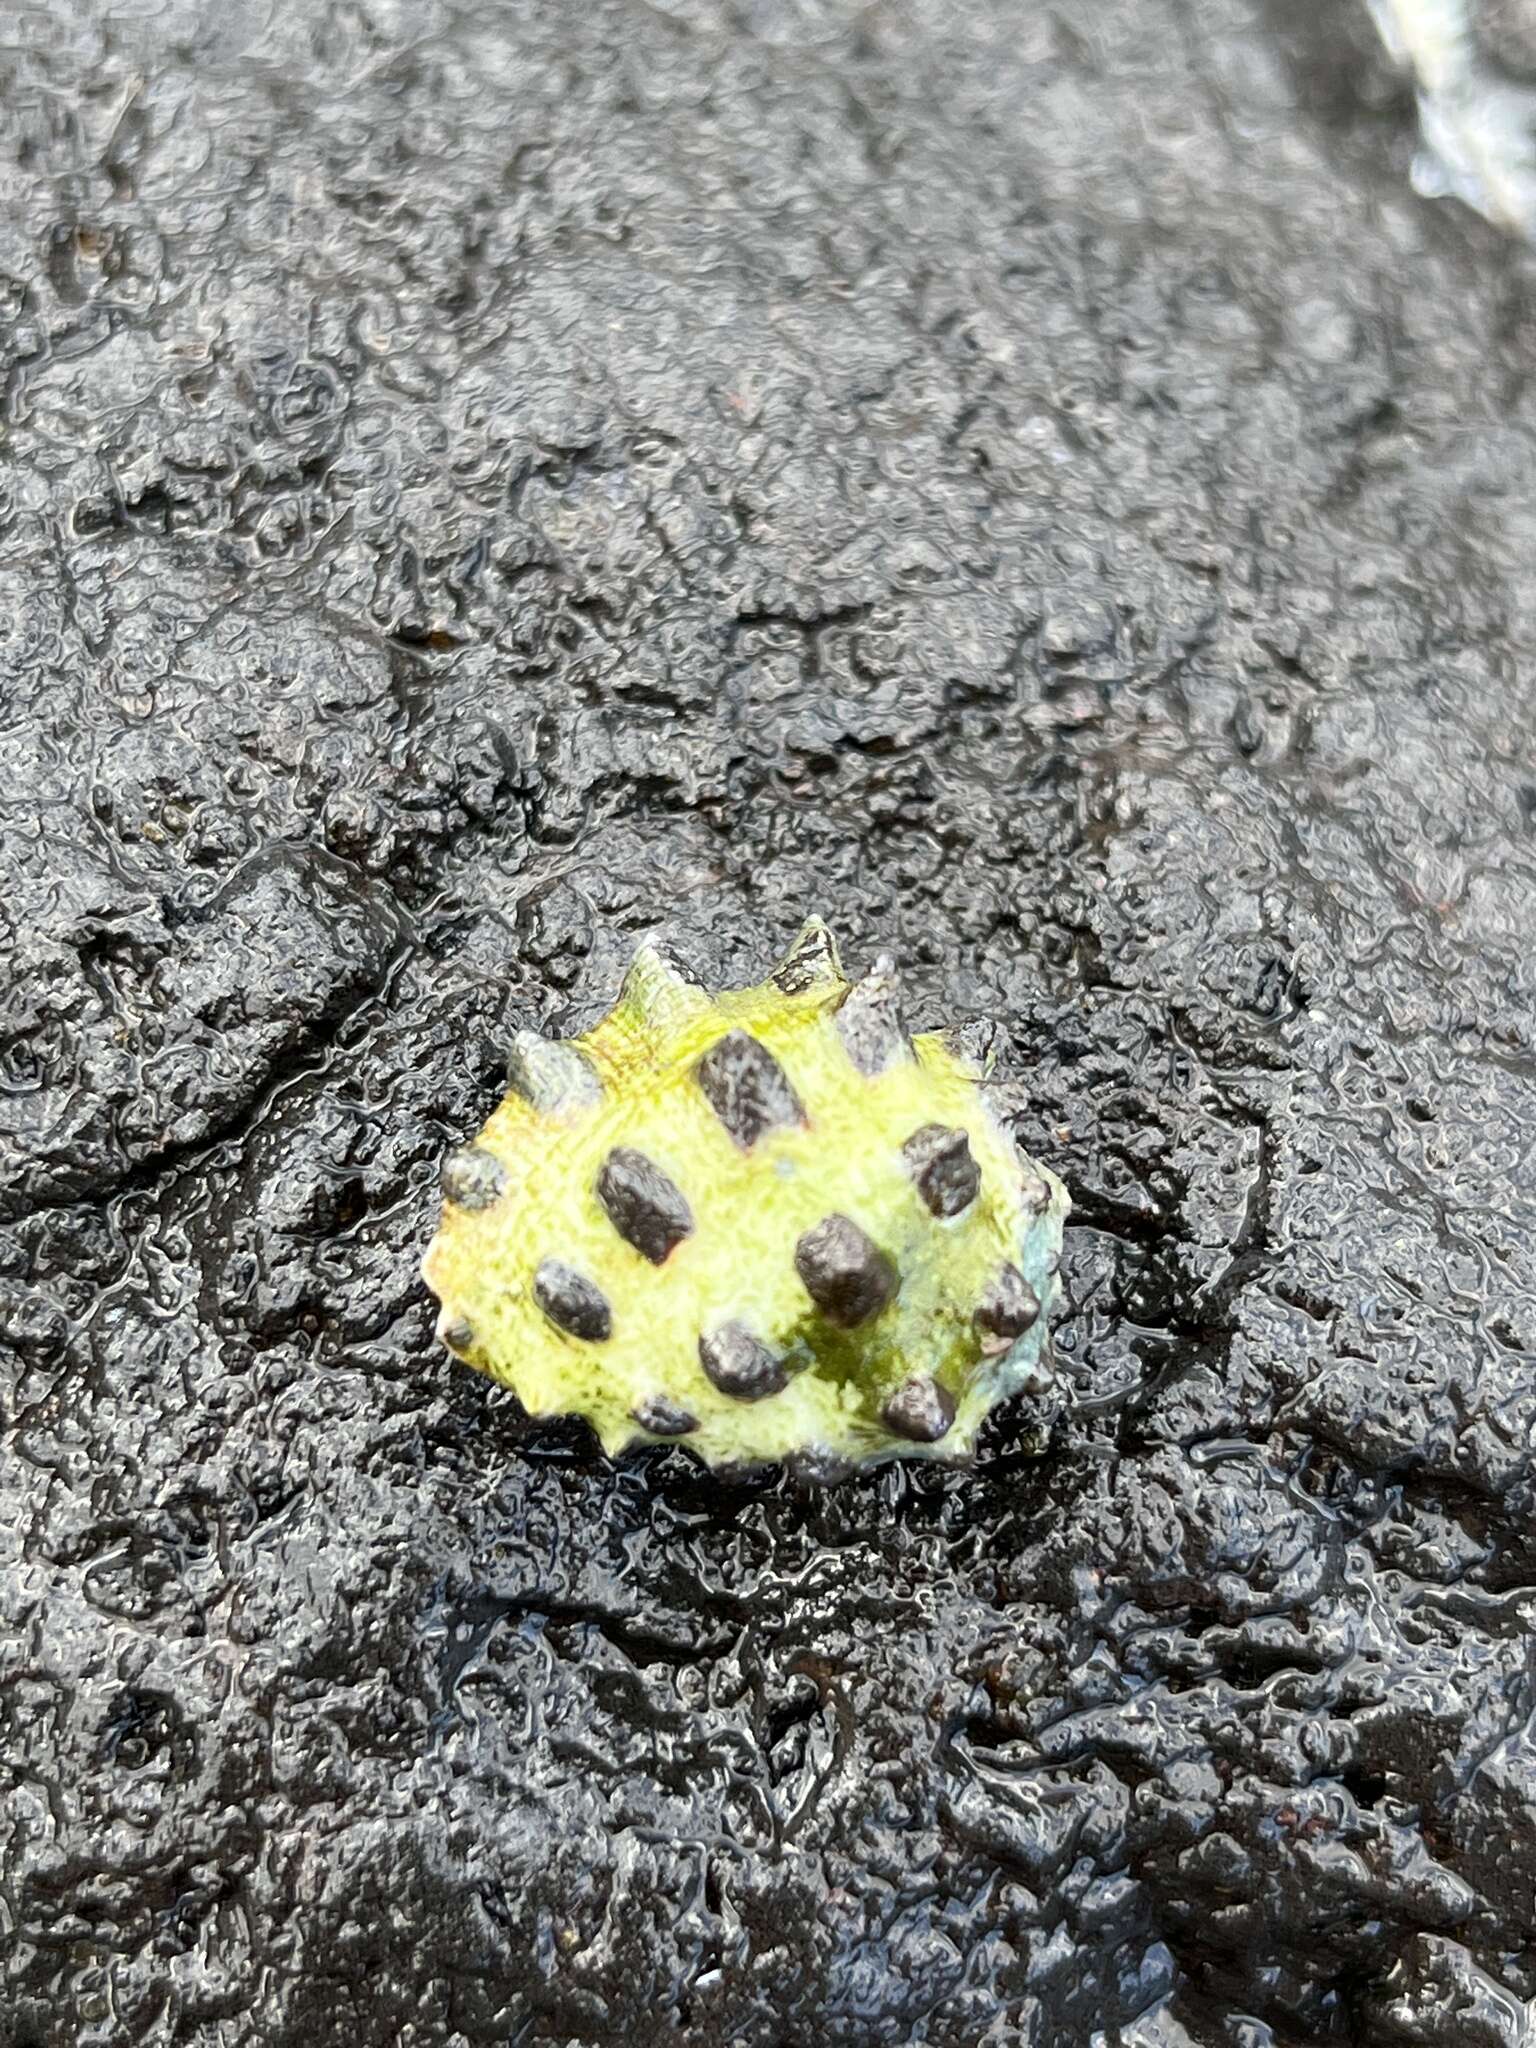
(1477, 118)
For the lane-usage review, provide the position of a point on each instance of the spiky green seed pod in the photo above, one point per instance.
(768, 1224)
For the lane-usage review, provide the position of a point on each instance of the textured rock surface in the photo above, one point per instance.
(481, 483)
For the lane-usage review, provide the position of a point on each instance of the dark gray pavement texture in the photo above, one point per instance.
(480, 484)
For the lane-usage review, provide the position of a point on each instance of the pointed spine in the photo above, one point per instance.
(551, 1076)
(973, 1044)
(811, 961)
(658, 998)
(870, 1022)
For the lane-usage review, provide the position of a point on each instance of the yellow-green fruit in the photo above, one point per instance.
(767, 1224)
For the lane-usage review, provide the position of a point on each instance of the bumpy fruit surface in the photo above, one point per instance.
(767, 1224)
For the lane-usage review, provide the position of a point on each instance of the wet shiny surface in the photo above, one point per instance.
(478, 484)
